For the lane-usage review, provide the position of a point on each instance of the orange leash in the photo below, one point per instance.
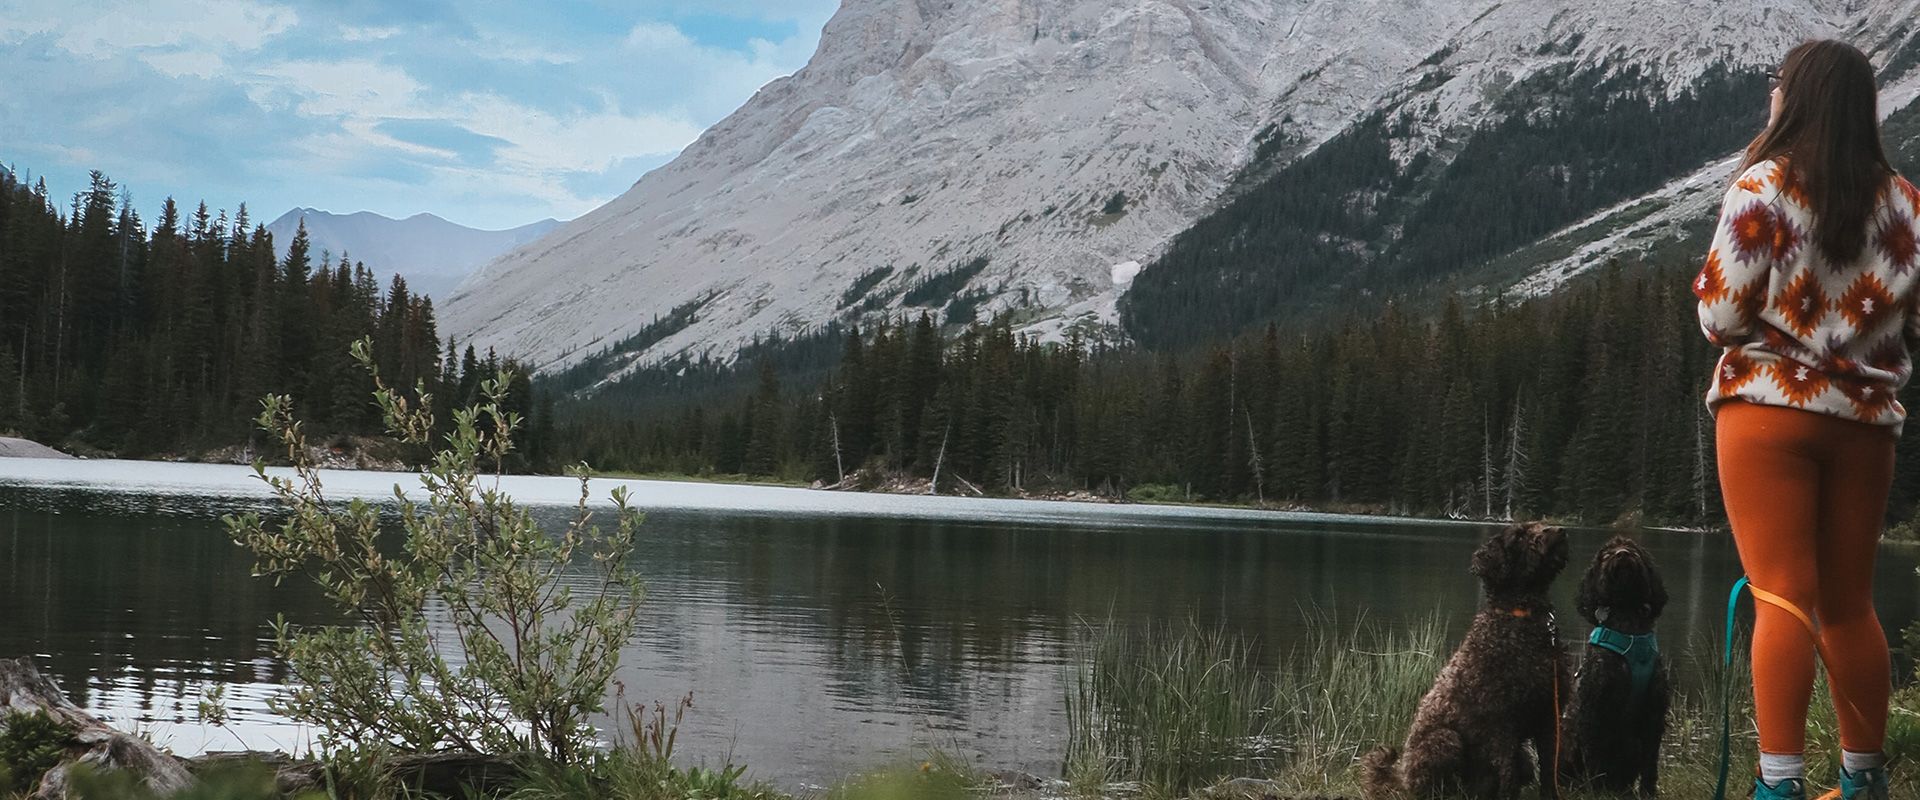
(1555, 769)
(1813, 631)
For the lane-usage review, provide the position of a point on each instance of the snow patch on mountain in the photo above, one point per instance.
(1688, 199)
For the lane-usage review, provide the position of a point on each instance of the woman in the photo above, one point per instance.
(1810, 288)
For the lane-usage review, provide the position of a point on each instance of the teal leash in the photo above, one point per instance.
(1726, 692)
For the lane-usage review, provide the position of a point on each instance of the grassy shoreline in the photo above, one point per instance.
(1169, 712)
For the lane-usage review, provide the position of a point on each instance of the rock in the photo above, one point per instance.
(24, 690)
(1016, 780)
(11, 447)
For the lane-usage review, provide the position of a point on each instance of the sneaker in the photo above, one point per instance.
(1789, 789)
(1867, 784)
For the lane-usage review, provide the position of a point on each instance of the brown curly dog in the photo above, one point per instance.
(1496, 696)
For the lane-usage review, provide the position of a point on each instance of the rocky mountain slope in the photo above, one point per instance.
(434, 254)
(974, 157)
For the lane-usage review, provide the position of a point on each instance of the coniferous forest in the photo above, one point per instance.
(136, 338)
(1586, 404)
(142, 339)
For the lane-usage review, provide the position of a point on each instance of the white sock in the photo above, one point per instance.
(1854, 763)
(1775, 767)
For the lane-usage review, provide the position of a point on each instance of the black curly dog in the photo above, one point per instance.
(1619, 711)
(1495, 697)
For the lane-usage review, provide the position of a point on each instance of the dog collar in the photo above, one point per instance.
(1641, 651)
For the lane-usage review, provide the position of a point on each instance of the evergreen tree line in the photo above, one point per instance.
(1585, 405)
(140, 340)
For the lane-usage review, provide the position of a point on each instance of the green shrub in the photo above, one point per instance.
(30, 744)
(1908, 531)
(516, 661)
(1156, 493)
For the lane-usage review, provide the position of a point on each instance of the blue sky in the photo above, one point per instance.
(488, 114)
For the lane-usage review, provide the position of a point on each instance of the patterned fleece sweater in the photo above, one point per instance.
(1800, 331)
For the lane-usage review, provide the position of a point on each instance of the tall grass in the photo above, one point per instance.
(1177, 708)
(1342, 693)
(1173, 706)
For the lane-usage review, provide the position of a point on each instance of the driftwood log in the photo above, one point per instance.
(94, 743)
(24, 690)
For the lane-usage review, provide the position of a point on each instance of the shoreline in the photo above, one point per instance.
(357, 458)
(703, 494)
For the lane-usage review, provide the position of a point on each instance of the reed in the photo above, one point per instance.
(1167, 711)
(1346, 689)
(1176, 706)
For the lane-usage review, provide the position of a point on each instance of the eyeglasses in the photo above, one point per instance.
(1774, 77)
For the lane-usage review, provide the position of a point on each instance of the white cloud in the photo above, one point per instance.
(581, 143)
(301, 115)
(186, 63)
(354, 88)
(100, 30)
(352, 33)
(658, 36)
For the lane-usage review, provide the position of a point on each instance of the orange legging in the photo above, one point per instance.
(1806, 494)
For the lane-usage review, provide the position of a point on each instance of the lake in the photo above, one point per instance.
(821, 633)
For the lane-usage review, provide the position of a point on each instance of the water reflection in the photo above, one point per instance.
(815, 644)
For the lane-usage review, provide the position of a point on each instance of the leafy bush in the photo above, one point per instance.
(30, 744)
(515, 662)
(1156, 493)
(1908, 531)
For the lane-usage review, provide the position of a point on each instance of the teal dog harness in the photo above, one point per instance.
(1642, 652)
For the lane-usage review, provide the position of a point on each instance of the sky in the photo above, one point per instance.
(490, 114)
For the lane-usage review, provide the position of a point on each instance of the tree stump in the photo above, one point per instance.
(24, 690)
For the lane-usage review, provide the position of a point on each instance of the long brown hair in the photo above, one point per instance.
(1828, 133)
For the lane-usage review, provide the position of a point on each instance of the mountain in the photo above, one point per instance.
(1216, 162)
(433, 254)
(1612, 155)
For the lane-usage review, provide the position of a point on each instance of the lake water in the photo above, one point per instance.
(821, 633)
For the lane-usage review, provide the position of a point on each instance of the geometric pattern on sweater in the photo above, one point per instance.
(1798, 330)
